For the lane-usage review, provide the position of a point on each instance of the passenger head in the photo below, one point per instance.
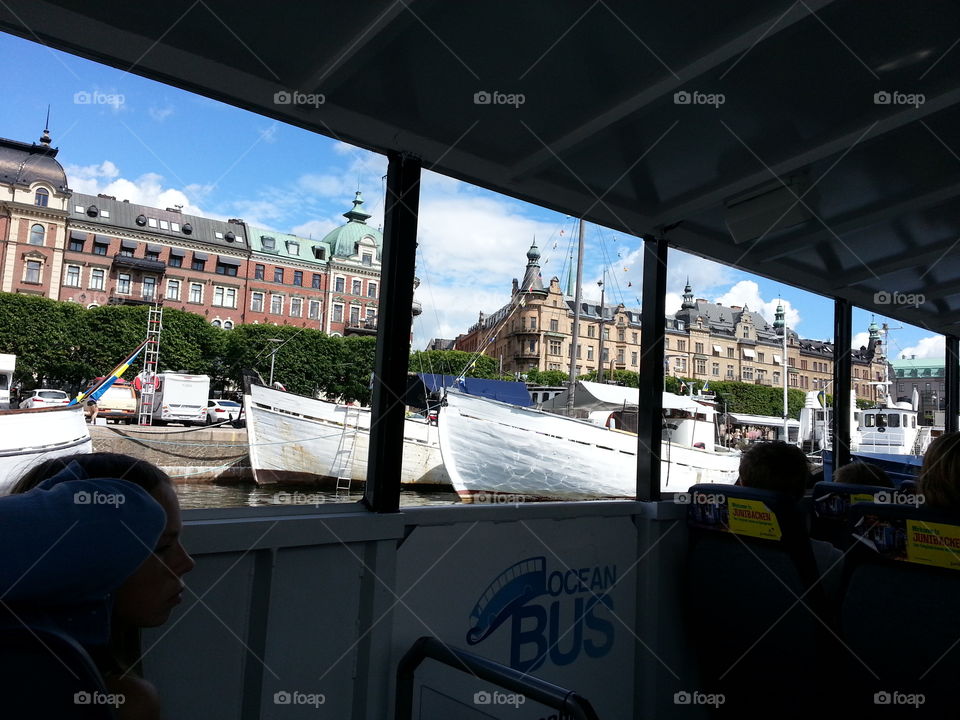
(147, 597)
(861, 473)
(939, 481)
(775, 466)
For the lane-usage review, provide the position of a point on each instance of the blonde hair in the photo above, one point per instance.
(939, 480)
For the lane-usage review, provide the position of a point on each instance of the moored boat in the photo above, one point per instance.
(495, 449)
(30, 436)
(298, 439)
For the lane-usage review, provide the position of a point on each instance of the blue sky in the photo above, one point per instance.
(140, 140)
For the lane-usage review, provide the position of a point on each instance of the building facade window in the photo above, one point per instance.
(589, 353)
(33, 271)
(173, 289)
(256, 301)
(355, 289)
(316, 281)
(715, 370)
(175, 261)
(620, 356)
(41, 197)
(354, 315)
(76, 245)
(258, 272)
(198, 264)
(747, 373)
(152, 255)
(97, 279)
(225, 297)
(633, 359)
(367, 259)
(296, 307)
(72, 277)
(100, 248)
(298, 277)
(682, 345)
(36, 234)
(126, 252)
(701, 366)
(314, 310)
(123, 284)
(276, 304)
(149, 287)
(196, 292)
(591, 331)
(339, 284)
(226, 269)
(554, 347)
(554, 325)
(338, 313)
(278, 275)
(730, 352)
(371, 289)
(698, 348)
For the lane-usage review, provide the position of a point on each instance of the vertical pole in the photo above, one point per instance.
(575, 340)
(650, 410)
(273, 356)
(786, 375)
(842, 365)
(401, 206)
(951, 384)
(603, 289)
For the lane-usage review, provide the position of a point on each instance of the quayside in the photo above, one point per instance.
(742, 133)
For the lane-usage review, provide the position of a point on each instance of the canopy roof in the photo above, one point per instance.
(814, 142)
(514, 393)
(744, 419)
(598, 396)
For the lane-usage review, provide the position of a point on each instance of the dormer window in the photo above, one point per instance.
(320, 253)
(269, 243)
(367, 259)
(41, 197)
(293, 247)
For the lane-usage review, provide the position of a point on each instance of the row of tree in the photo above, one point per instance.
(62, 344)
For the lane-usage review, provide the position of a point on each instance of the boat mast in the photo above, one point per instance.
(600, 350)
(575, 341)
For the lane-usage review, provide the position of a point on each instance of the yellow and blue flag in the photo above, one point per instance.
(118, 372)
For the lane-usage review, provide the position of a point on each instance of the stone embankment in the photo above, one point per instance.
(186, 454)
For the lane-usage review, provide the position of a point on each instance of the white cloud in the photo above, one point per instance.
(269, 135)
(928, 347)
(315, 229)
(747, 292)
(861, 339)
(148, 189)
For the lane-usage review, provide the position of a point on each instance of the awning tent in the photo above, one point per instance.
(768, 420)
(598, 396)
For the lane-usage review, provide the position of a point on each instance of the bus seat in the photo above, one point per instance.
(899, 613)
(755, 611)
(46, 674)
(829, 520)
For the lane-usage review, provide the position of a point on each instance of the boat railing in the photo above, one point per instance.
(553, 696)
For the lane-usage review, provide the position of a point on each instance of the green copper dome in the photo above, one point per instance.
(343, 240)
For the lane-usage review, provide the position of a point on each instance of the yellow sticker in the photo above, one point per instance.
(933, 544)
(862, 498)
(753, 518)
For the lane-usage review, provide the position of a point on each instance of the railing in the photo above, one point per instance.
(553, 696)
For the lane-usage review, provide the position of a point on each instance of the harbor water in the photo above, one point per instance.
(194, 495)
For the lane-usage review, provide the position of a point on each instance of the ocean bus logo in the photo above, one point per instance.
(556, 615)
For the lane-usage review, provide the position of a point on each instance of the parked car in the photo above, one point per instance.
(220, 410)
(44, 399)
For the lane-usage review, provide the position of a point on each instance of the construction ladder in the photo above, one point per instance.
(151, 356)
(343, 459)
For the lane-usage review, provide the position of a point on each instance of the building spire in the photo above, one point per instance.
(571, 274)
(688, 303)
(356, 214)
(779, 317)
(45, 138)
(532, 282)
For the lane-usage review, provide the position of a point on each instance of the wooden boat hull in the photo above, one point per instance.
(28, 437)
(493, 451)
(295, 439)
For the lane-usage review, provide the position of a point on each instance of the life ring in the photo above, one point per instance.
(138, 383)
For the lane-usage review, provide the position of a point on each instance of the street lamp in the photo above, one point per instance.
(273, 356)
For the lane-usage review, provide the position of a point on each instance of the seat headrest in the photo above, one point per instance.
(908, 533)
(749, 512)
(831, 500)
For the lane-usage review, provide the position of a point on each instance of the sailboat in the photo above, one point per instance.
(493, 449)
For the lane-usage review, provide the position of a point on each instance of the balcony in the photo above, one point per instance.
(367, 326)
(142, 264)
(526, 355)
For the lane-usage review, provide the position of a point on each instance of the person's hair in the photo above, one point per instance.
(95, 465)
(861, 473)
(939, 480)
(775, 466)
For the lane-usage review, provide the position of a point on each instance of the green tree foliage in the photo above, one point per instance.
(452, 362)
(47, 338)
(746, 397)
(627, 378)
(547, 377)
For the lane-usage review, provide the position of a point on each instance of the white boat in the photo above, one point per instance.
(495, 449)
(297, 439)
(30, 436)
